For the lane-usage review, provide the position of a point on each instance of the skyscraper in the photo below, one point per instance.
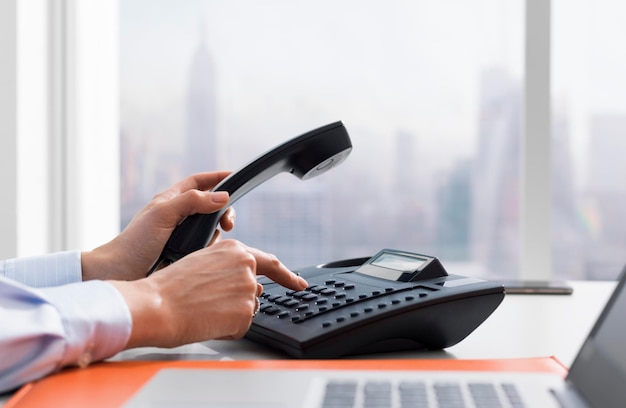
(568, 234)
(495, 212)
(200, 153)
(607, 193)
(454, 208)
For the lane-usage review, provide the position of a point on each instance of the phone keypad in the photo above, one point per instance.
(333, 295)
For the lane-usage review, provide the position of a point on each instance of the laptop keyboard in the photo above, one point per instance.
(379, 394)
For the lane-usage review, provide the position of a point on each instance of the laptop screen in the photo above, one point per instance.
(599, 371)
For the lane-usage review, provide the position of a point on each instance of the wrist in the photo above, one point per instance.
(145, 305)
(107, 262)
(88, 260)
(96, 264)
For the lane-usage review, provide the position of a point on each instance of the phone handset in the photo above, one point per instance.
(304, 156)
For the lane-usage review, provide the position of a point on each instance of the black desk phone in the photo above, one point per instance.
(392, 301)
(304, 156)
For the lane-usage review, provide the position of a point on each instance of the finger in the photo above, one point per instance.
(270, 266)
(201, 181)
(171, 212)
(259, 290)
(189, 196)
(227, 222)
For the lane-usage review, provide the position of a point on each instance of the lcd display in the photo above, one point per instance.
(398, 262)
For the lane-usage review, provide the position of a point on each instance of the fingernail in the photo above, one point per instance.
(219, 196)
(303, 282)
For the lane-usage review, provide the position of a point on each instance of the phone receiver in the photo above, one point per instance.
(304, 156)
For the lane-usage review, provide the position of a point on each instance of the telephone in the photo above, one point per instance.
(304, 156)
(395, 300)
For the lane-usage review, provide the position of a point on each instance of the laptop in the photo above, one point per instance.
(597, 378)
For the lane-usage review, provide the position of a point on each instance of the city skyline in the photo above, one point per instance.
(458, 202)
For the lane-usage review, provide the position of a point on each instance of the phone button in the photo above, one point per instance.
(271, 310)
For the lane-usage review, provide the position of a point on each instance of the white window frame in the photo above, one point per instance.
(81, 171)
(536, 169)
(59, 125)
(84, 122)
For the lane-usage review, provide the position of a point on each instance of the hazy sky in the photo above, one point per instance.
(379, 66)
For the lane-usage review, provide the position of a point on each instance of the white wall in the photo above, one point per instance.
(8, 125)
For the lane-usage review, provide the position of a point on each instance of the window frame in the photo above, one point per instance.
(535, 153)
(59, 124)
(84, 116)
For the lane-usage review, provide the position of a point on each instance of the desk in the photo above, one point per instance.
(538, 325)
(522, 326)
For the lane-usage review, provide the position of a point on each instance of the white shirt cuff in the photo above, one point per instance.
(55, 269)
(97, 320)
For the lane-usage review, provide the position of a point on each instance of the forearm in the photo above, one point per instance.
(147, 311)
(45, 330)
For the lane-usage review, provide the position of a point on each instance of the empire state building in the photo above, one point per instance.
(200, 153)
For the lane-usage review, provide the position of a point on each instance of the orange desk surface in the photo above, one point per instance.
(110, 384)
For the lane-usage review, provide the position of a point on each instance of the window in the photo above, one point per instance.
(589, 138)
(431, 98)
(434, 93)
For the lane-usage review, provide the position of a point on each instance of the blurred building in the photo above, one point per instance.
(286, 217)
(454, 211)
(568, 233)
(200, 153)
(495, 184)
(606, 196)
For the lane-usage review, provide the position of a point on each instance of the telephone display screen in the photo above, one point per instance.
(393, 266)
(398, 262)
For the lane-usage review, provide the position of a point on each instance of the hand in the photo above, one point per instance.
(209, 294)
(130, 255)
